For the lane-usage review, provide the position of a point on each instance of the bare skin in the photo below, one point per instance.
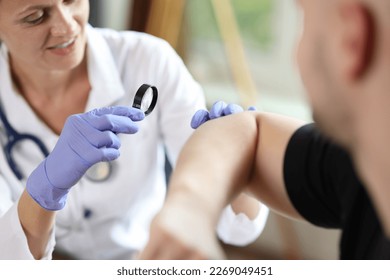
(37, 224)
(54, 81)
(343, 58)
(252, 159)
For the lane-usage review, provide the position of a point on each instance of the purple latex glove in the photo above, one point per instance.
(219, 109)
(86, 139)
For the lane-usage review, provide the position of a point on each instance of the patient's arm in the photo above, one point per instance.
(247, 205)
(251, 147)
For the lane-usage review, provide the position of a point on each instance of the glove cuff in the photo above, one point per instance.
(43, 192)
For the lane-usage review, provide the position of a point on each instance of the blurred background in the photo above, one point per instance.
(240, 51)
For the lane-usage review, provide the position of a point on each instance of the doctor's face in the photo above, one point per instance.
(48, 34)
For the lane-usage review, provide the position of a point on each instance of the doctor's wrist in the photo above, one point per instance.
(43, 192)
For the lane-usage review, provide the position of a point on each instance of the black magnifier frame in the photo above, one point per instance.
(140, 95)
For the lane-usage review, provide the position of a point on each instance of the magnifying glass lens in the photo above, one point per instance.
(147, 100)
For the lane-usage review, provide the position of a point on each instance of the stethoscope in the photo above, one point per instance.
(145, 99)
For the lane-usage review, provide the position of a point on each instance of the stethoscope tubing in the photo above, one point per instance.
(13, 138)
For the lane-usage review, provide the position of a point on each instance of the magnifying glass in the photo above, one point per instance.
(146, 98)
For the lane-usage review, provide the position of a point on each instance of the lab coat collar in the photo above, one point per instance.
(107, 87)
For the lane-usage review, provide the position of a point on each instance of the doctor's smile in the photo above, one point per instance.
(64, 48)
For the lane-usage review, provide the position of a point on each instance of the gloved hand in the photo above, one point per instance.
(86, 139)
(218, 110)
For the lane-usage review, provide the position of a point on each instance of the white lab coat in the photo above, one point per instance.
(121, 208)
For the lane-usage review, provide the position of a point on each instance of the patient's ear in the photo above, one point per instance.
(357, 39)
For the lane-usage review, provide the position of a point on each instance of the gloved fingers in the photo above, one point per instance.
(109, 154)
(86, 141)
(94, 155)
(219, 109)
(118, 124)
(232, 109)
(252, 108)
(114, 123)
(105, 139)
(216, 110)
(110, 140)
(199, 118)
(133, 113)
(88, 135)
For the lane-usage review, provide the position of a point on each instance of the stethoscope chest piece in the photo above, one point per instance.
(99, 172)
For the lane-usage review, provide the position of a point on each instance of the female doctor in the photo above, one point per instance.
(54, 70)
